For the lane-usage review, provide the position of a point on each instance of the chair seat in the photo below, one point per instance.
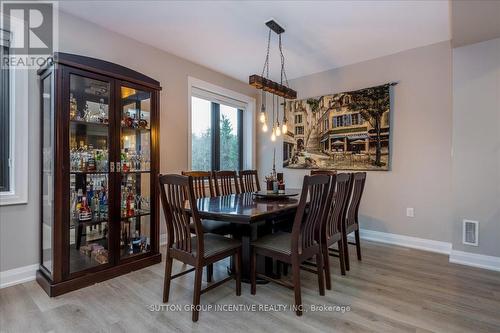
(214, 227)
(279, 242)
(214, 244)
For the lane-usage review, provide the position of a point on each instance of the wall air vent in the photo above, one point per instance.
(470, 232)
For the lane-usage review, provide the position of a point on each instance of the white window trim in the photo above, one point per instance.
(249, 116)
(19, 124)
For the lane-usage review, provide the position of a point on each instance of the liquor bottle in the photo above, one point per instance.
(74, 200)
(96, 206)
(128, 121)
(79, 197)
(102, 112)
(143, 123)
(91, 163)
(135, 124)
(73, 108)
(85, 212)
(130, 203)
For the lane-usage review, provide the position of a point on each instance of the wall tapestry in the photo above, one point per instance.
(344, 131)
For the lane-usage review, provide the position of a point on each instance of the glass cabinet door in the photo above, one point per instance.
(47, 172)
(135, 172)
(89, 183)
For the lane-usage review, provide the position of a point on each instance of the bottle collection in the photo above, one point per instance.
(84, 158)
(135, 160)
(89, 113)
(90, 203)
(131, 240)
(133, 203)
(137, 121)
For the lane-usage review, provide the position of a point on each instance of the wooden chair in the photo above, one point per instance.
(203, 187)
(249, 181)
(203, 183)
(226, 182)
(300, 245)
(351, 219)
(333, 223)
(198, 251)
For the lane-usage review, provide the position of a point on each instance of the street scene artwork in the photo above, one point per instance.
(344, 131)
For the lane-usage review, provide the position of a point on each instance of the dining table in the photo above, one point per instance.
(251, 218)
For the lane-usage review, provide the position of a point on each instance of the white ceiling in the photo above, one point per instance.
(230, 36)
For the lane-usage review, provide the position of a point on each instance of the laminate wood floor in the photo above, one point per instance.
(393, 289)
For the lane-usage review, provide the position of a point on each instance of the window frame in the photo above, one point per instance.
(19, 137)
(246, 107)
(5, 115)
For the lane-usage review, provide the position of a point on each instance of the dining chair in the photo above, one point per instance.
(332, 227)
(203, 183)
(351, 218)
(198, 251)
(299, 245)
(226, 182)
(204, 187)
(249, 181)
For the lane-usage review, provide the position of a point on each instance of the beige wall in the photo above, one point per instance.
(421, 140)
(19, 225)
(476, 144)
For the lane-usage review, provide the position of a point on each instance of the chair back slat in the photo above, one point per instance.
(203, 183)
(176, 192)
(358, 184)
(249, 181)
(226, 182)
(340, 192)
(306, 226)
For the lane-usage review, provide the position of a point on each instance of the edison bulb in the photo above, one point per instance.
(273, 135)
(284, 129)
(262, 117)
(264, 127)
(278, 130)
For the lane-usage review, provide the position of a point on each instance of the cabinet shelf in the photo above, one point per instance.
(89, 172)
(94, 221)
(83, 122)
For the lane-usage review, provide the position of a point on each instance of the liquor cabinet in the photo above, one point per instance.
(99, 166)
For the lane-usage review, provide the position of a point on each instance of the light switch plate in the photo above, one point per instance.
(410, 212)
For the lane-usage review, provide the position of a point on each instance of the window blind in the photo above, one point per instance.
(216, 98)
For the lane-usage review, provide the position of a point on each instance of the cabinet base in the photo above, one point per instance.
(56, 289)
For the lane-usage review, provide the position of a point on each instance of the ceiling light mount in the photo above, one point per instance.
(274, 26)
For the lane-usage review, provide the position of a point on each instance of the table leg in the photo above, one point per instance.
(247, 234)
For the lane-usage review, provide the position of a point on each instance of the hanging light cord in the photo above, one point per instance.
(266, 62)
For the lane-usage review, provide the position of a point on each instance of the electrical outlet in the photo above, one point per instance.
(410, 212)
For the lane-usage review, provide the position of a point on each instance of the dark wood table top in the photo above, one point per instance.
(245, 208)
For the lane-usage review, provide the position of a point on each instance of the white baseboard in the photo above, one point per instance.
(475, 260)
(406, 241)
(18, 275)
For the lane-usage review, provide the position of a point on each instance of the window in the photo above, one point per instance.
(325, 124)
(299, 130)
(355, 118)
(4, 115)
(347, 120)
(298, 119)
(338, 121)
(216, 135)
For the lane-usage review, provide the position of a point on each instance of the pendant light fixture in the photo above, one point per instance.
(277, 90)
